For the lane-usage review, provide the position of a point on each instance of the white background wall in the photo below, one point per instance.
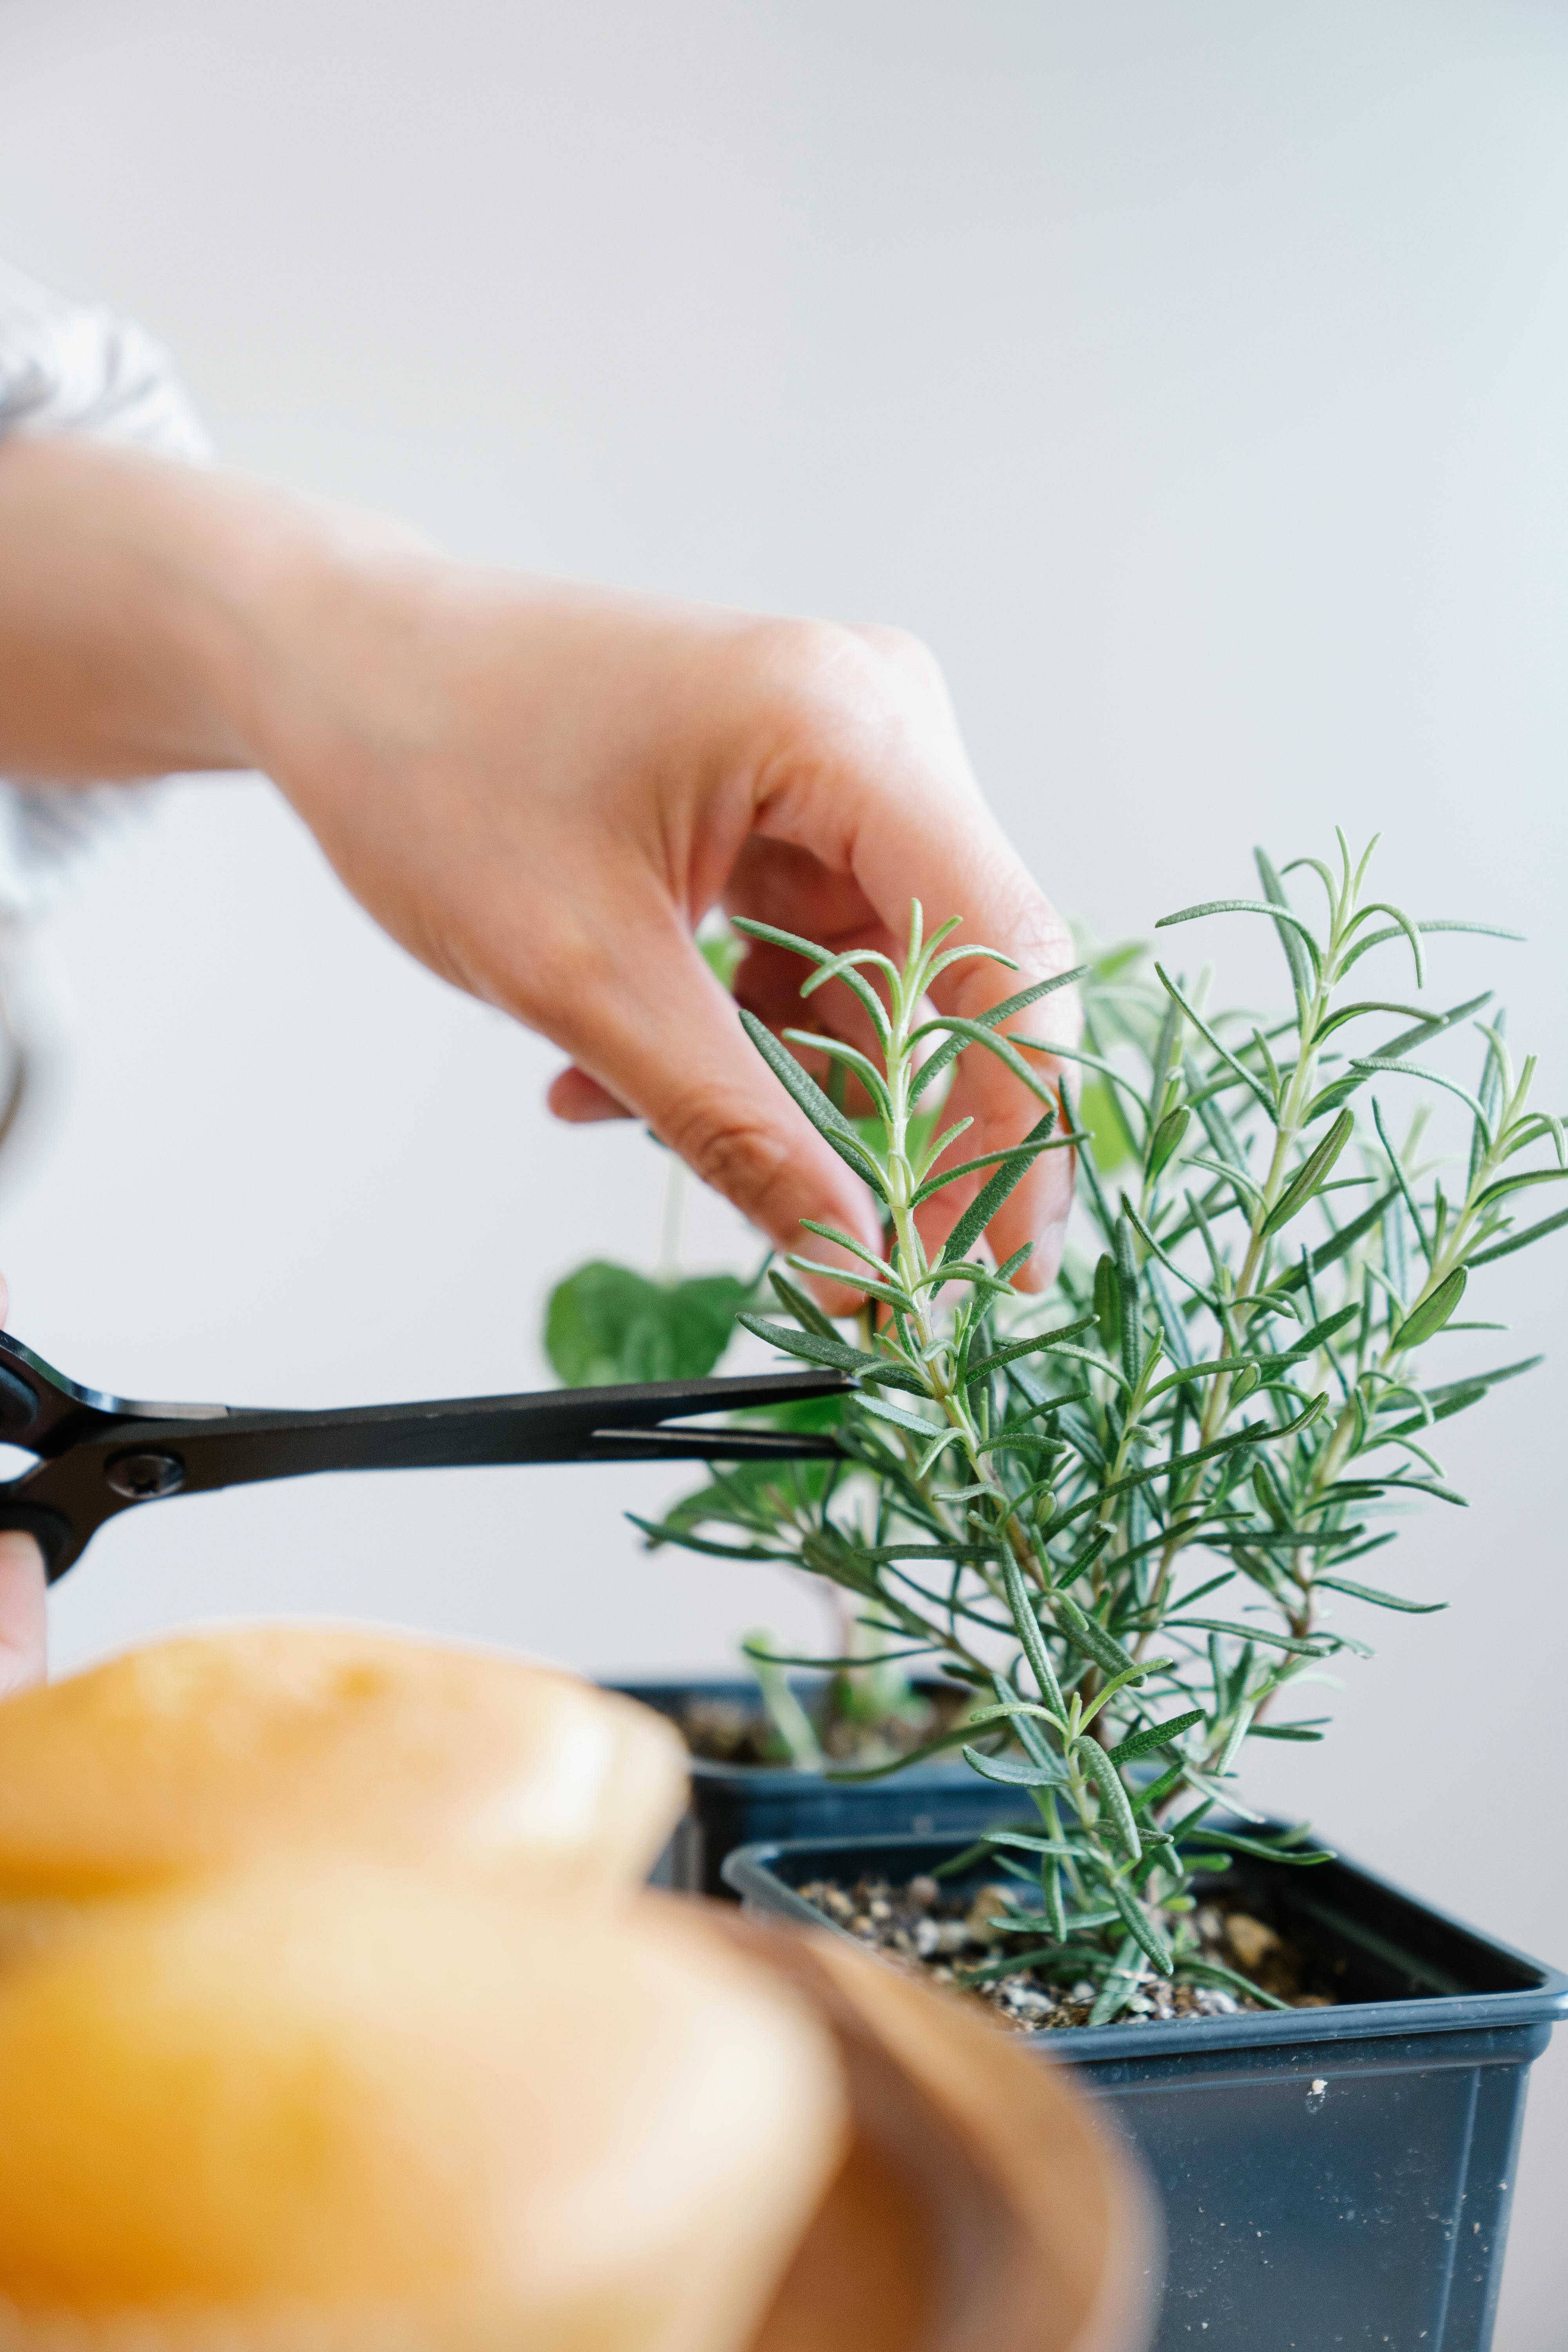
(1192, 377)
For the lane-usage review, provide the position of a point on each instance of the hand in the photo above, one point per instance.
(23, 1615)
(539, 790)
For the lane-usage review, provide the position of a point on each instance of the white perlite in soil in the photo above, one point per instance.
(948, 1937)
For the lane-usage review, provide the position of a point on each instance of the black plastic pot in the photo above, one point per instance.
(1331, 2178)
(739, 1804)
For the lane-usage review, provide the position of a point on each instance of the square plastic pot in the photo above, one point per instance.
(1331, 2178)
(734, 1805)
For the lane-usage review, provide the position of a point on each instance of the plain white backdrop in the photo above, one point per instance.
(1192, 378)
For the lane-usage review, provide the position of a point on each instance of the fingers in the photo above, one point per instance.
(581, 1100)
(929, 837)
(23, 1587)
(673, 1052)
(1004, 1109)
(23, 1614)
(768, 983)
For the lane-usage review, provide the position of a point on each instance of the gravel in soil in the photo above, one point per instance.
(947, 1936)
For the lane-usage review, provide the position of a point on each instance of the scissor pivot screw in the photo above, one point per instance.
(141, 1477)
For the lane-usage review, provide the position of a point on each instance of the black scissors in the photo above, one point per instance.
(99, 1456)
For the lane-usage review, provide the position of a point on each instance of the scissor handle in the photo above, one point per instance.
(54, 1536)
(46, 1413)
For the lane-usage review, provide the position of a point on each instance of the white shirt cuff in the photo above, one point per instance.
(75, 367)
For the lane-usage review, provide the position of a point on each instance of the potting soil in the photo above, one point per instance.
(951, 1936)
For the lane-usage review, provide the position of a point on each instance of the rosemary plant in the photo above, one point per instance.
(1238, 1389)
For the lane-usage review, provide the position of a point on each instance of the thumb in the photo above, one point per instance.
(674, 1051)
(24, 1615)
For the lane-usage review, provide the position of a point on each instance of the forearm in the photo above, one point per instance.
(144, 608)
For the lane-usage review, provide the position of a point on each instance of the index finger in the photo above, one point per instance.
(937, 842)
(1004, 1109)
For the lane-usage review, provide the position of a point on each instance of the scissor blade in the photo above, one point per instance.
(244, 1448)
(713, 1446)
(67, 1496)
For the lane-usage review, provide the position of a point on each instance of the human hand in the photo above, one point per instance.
(539, 790)
(22, 1614)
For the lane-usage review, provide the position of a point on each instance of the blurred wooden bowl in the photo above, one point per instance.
(983, 2207)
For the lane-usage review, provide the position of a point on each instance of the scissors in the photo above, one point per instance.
(99, 1456)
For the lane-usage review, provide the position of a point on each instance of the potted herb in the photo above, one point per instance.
(1137, 1531)
(767, 1742)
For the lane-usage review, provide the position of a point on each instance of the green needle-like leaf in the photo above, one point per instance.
(1521, 1241)
(977, 1033)
(991, 1195)
(1296, 955)
(1154, 1735)
(1428, 1077)
(1254, 1085)
(1026, 1626)
(775, 938)
(1247, 1634)
(890, 1293)
(804, 1310)
(830, 1123)
(947, 1053)
(665, 1531)
(1277, 914)
(1433, 1312)
(1022, 1841)
(1310, 1177)
(1264, 1850)
(1021, 1157)
(1141, 1928)
(899, 1418)
(1230, 1980)
(812, 1349)
(1010, 1773)
(1130, 1318)
(1164, 1141)
(1096, 1765)
(1380, 1600)
(1518, 1182)
(863, 1068)
(1331, 1252)
(1094, 1640)
(1015, 1348)
(1400, 929)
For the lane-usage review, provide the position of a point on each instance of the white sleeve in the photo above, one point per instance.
(74, 367)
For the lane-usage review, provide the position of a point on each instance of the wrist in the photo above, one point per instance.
(299, 603)
(147, 608)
